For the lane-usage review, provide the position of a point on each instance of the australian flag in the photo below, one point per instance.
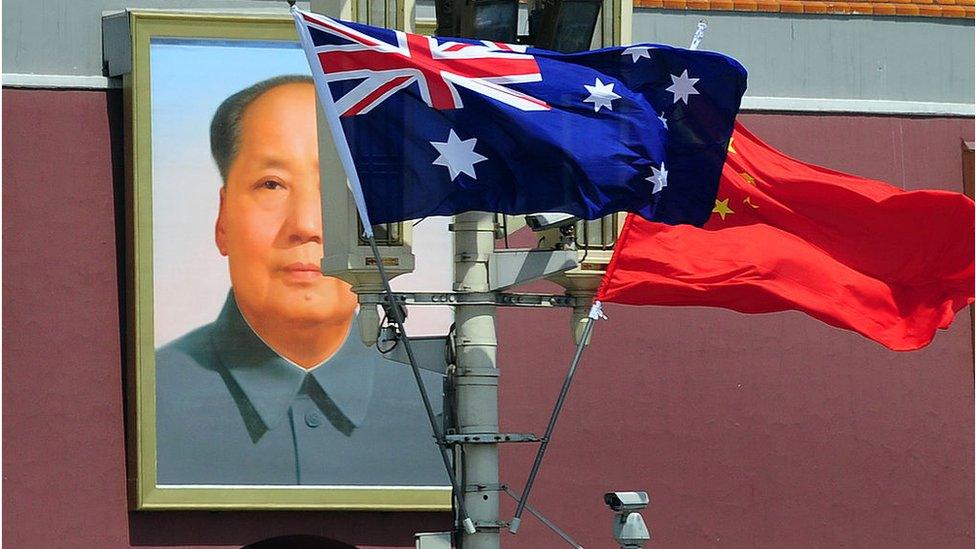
(440, 126)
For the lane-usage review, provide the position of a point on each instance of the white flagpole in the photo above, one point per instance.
(596, 313)
(332, 116)
(342, 146)
(699, 35)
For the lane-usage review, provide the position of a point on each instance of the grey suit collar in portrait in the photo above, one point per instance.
(270, 383)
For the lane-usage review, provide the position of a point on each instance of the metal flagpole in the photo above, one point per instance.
(551, 525)
(596, 312)
(476, 376)
(332, 117)
(342, 147)
(438, 433)
(699, 35)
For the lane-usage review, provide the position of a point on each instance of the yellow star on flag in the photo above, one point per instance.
(722, 208)
(748, 200)
(749, 179)
(731, 148)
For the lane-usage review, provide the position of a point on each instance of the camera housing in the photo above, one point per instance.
(549, 220)
(626, 501)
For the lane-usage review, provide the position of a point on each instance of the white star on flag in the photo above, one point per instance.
(659, 178)
(682, 87)
(601, 95)
(458, 156)
(636, 52)
(663, 120)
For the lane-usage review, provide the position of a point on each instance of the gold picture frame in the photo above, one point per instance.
(146, 28)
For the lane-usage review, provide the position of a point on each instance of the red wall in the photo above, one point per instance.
(769, 430)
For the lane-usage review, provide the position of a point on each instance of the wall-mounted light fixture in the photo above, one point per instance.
(563, 25)
(560, 25)
(495, 20)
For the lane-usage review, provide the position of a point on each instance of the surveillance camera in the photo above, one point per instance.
(626, 501)
(549, 220)
(629, 528)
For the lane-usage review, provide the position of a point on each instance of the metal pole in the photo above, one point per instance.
(595, 312)
(397, 313)
(551, 525)
(476, 378)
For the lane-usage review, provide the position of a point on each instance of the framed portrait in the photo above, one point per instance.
(249, 386)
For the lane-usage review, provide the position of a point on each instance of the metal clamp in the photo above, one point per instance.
(484, 371)
(491, 438)
(485, 488)
(490, 524)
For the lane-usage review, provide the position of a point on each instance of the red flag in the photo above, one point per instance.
(855, 253)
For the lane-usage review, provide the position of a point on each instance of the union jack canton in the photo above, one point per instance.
(439, 126)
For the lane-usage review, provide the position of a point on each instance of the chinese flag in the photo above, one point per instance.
(855, 253)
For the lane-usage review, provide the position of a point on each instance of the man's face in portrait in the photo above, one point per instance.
(270, 220)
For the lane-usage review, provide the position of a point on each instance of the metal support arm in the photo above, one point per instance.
(479, 298)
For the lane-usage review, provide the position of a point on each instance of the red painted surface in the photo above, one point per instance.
(772, 430)
(765, 430)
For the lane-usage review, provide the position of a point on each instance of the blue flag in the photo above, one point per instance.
(440, 126)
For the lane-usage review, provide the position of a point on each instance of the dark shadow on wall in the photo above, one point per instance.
(240, 528)
(116, 119)
(299, 542)
(113, 107)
